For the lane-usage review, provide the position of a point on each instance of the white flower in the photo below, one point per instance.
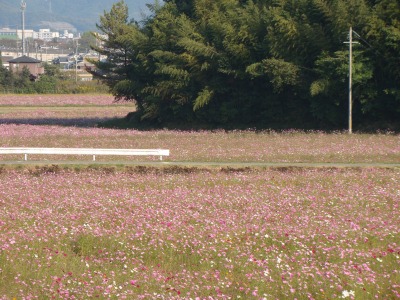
(346, 294)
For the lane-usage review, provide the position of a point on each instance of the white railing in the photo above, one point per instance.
(84, 151)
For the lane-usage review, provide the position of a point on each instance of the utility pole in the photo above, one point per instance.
(350, 80)
(350, 42)
(16, 42)
(23, 7)
(76, 62)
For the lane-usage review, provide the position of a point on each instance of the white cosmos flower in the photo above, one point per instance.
(346, 294)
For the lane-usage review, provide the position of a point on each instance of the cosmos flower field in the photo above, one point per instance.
(61, 110)
(137, 232)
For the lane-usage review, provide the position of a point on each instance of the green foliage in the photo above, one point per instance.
(53, 71)
(279, 72)
(203, 98)
(261, 62)
(87, 40)
(46, 84)
(53, 81)
(24, 80)
(3, 71)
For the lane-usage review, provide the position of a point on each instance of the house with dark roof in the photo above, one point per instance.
(34, 66)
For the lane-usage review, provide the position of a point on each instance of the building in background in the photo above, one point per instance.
(8, 33)
(46, 34)
(43, 34)
(34, 66)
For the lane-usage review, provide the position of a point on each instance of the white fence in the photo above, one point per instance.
(85, 151)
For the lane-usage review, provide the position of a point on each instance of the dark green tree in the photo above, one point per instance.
(280, 63)
(3, 71)
(121, 41)
(23, 81)
(46, 84)
(382, 32)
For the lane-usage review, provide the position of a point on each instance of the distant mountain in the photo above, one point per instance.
(81, 15)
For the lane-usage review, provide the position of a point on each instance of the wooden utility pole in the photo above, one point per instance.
(350, 80)
(350, 42)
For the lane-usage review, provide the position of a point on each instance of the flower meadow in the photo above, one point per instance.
(61, 110)
(169, 232)
(73, 121)
(57, 100)
(144, 233)
(213, 146)
(61, 116)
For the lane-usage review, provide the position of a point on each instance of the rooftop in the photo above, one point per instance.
(25, 59)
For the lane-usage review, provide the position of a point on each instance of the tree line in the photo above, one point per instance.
(263, 63)
(23, 82)
(53, 81)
